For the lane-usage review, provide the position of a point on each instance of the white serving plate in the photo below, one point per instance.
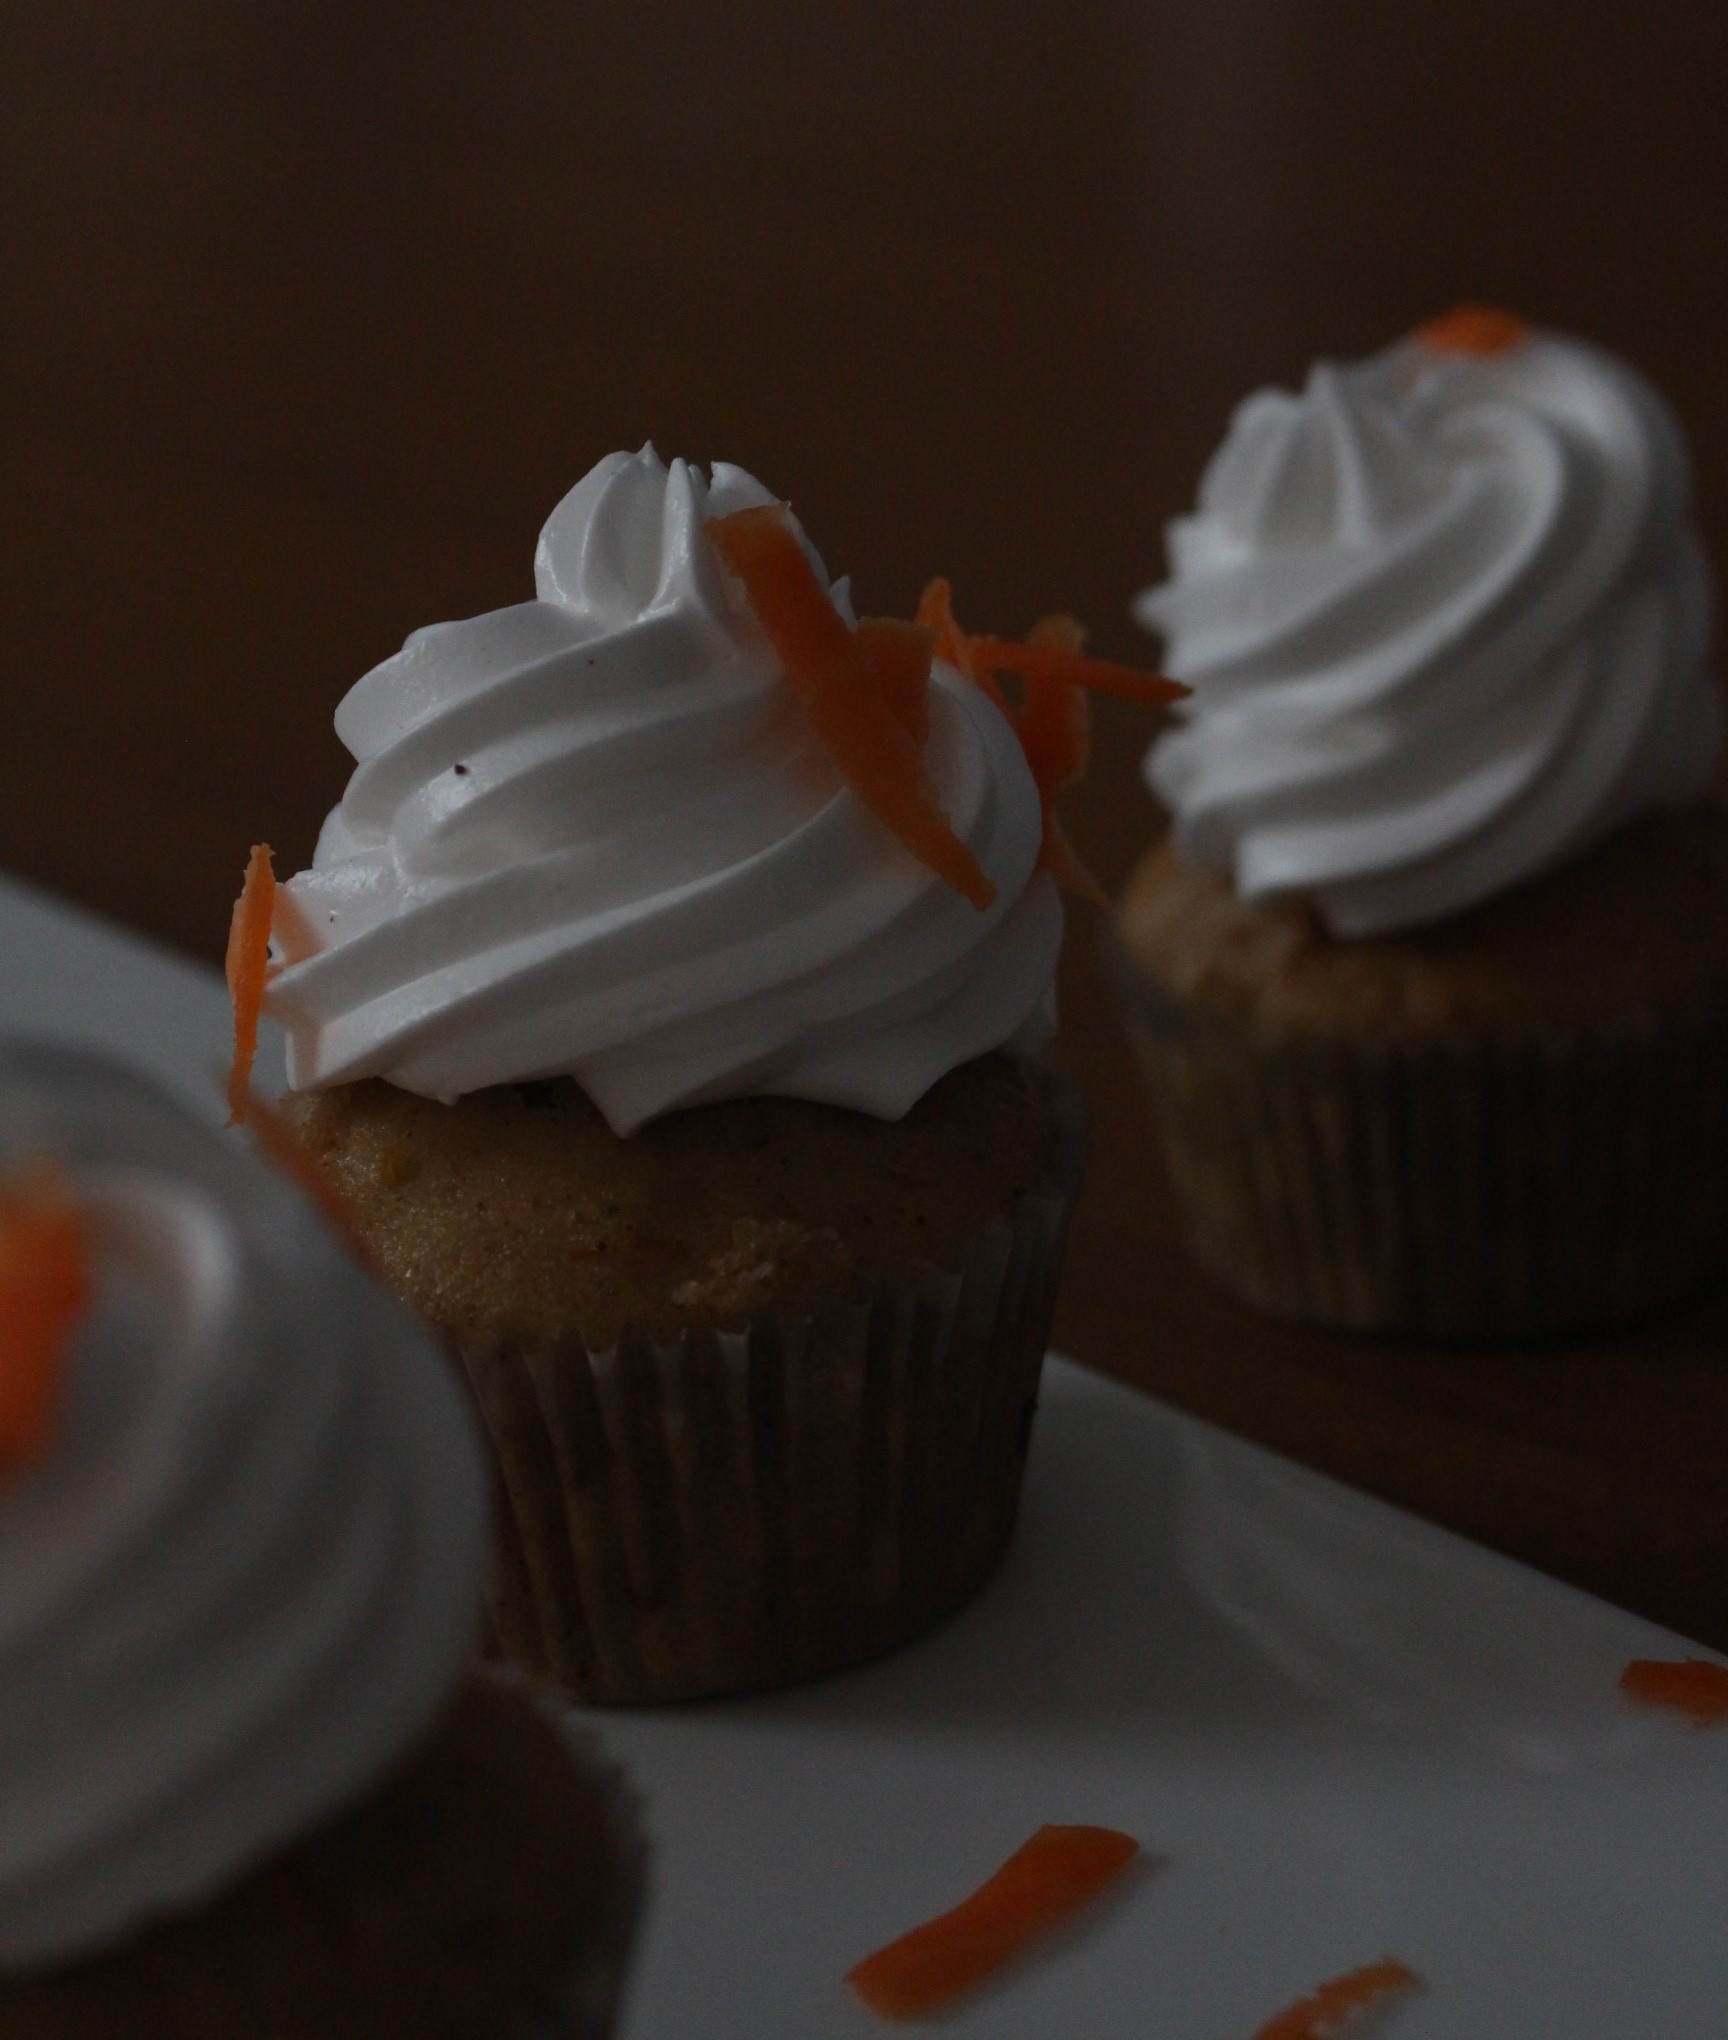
(1338, 1732)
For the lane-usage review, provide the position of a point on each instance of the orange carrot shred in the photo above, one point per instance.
(936, 613)
(45, 1289)
(1695, 1686)
(283, 1148)
(1054, 720)
(1002, 655)
(837, 683)
(828, 665)
(899, 655)
(248, 966)
(953, 646)
(1323, 2014)
(1055, 733)
(1042, 1884)
(1066, 866)
(1474, 329)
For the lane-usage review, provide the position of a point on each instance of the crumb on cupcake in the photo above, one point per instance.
(523, 1215)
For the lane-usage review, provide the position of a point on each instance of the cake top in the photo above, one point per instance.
(684, 829)
(1447, 623)
(242, 1513)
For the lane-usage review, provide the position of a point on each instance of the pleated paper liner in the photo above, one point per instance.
(1454, 1189)
(737, 1510)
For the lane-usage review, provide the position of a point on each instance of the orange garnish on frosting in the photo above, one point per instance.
(1053, 721)
(1695, 1686)
(1054, 661)
(1323, 2014)
(899, 655)
(248, 966)
(953, 646)
(44, 1290)
(1055, 726)
(836, 678)
(1042, 1884)
(1474, 329)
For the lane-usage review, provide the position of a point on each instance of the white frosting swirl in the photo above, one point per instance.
(597, 835)
(1447, 623)
(247, 1572)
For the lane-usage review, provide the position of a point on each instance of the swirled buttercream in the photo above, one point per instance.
(245, 1576)
(596, 835)
(1447, 623)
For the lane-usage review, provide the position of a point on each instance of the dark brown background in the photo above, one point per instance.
(312, 310)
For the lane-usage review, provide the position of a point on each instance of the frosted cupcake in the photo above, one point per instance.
(1429, 976)
(248, 1786)
(666, 1002)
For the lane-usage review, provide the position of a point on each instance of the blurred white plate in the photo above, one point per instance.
(1338, 1732)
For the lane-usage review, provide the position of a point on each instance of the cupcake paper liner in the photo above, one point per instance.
(1454, 1189)
(735, 1510)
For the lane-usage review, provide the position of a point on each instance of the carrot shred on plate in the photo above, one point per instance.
(1474, 329)
(899, 654)
(1326, 2011)
(1043, 1883)
(1695, 1686)
(283, 1148)
(837, 682)
(248, 967)
(45, 1288)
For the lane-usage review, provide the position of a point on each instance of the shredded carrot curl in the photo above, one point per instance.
(867, 691)
(1002, 655)
(1474, 329)
(899, 655)
(1053, 720)
(1055, 726)
(837, 680)
(248, 966)
(1042, 1884)
(45, 1288)
(953, 646)
(1334, 2003)
(1695, 1686)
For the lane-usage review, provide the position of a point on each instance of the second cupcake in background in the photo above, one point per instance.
(1430, 978)
(665, 1003)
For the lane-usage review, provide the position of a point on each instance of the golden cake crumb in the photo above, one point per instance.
(1634, 930)
(518, 1214)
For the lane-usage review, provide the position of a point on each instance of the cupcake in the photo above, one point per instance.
(249, 1784)
(1429, 979)
(665, 1003)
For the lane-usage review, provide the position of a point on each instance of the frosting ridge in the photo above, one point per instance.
(596, 835)
(1447, 622)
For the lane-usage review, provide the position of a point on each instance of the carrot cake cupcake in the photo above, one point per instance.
(1430, 976)
(666, 1002)
(248, 1784)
